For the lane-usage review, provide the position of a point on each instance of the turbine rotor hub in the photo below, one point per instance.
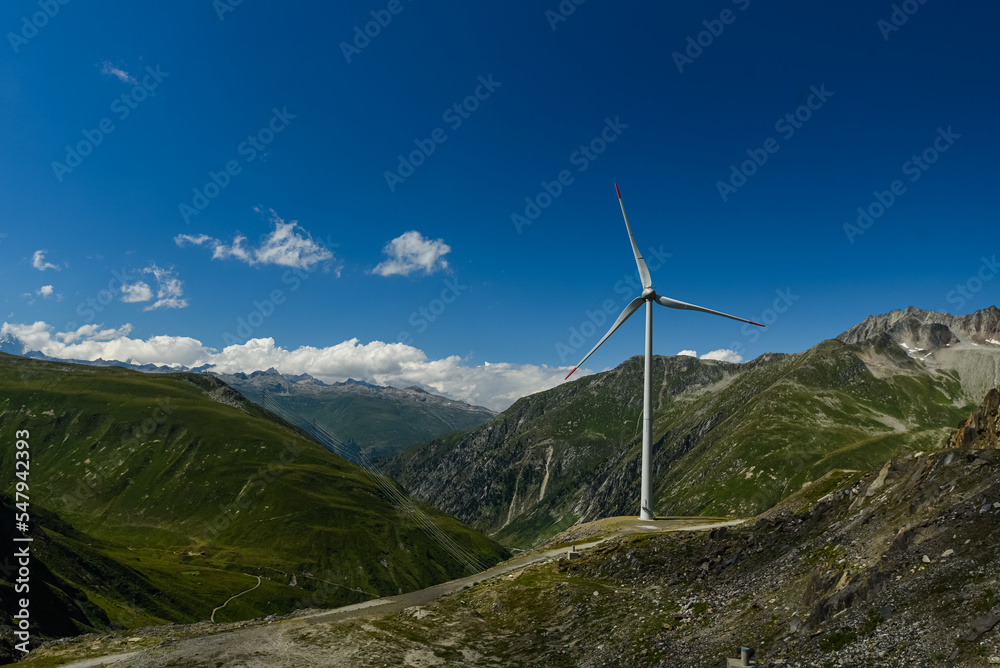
(649, 293)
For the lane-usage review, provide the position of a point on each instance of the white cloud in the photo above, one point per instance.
(193, 239)
(411, 252)
(136, 292)
(90, 343)
(39, 263)
(490, 384)
(45, 291)
(119, 73)
(169, 289)
(722, 355)
(287, 245)
(91, 332)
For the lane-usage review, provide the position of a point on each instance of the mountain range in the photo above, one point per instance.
(730, 440)
(368, 421)
(372, 420)
(12, 345)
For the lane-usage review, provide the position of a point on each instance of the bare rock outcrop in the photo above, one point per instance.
(982, 428)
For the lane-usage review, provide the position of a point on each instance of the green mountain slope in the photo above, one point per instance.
(73, 586)
(179, 479)
(730, 439)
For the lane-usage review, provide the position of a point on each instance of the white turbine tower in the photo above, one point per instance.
(648, 296)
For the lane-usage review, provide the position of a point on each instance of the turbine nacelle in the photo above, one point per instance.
(648, 295)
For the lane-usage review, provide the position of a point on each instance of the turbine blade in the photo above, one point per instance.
(673, 303)
(647, 281)
(626, 314)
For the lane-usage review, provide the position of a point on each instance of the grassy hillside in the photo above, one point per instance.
(791, 422)
(178, 479)
(730, 439)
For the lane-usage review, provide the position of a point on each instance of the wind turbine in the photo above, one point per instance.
(648, 296)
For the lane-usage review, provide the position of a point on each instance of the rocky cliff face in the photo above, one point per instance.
(982, 428)
(927, 328)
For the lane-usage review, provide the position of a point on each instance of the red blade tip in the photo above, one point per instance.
(570, 373)
(618, 191)
(757, 323)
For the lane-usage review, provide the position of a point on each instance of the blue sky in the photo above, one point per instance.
(426, 269)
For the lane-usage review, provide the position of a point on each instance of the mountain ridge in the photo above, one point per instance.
(728, 438)
(371, 420)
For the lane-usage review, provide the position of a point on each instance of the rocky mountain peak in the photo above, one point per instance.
(12, 345)
(359, 383)
(928, 330)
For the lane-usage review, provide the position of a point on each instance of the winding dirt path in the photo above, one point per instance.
(212, 618)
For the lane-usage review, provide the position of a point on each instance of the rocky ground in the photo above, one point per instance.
(899, 568)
